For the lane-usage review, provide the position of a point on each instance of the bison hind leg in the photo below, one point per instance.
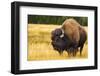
(81, 48)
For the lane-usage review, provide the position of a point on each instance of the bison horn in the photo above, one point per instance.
(62, 35)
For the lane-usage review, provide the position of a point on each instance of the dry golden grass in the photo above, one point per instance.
(39, 44)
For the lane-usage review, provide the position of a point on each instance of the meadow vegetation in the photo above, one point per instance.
(39, 44)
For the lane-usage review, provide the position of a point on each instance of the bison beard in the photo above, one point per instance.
(71, 41)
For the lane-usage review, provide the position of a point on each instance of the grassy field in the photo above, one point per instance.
(39, 44)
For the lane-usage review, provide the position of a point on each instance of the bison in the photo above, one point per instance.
(69, 37)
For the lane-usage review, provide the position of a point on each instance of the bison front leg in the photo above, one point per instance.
(70, 52)
(74, 50)
(60, 52)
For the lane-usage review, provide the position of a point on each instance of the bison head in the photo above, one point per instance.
(59, 40)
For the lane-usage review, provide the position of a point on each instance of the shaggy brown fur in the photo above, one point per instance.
(71, 29)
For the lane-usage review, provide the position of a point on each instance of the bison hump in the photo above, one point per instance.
(71, 29)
